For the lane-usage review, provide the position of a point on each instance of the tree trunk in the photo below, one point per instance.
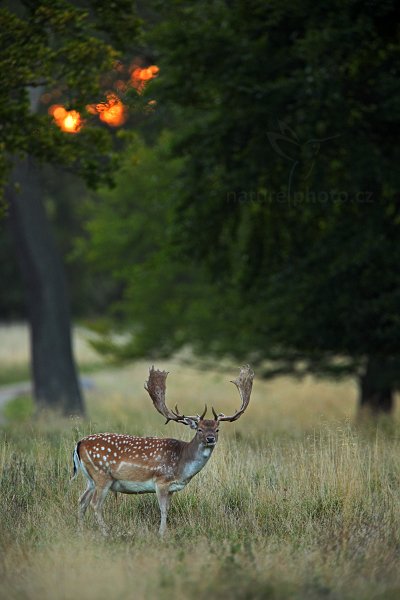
(55, 380)
(376, 387)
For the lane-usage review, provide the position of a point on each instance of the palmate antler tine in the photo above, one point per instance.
(244, 384)
(156, 386)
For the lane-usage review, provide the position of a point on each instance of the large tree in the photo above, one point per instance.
(287, 114)
(61, 49)
(291, 191)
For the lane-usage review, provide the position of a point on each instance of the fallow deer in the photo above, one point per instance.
(140, 465)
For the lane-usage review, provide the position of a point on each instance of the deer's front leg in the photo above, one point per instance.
(164, 499)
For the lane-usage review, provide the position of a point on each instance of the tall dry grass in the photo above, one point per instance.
(296, 502)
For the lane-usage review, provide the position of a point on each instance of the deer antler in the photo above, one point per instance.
(244, 383)
(156, 386)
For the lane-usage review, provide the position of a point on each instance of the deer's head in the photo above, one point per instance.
(206, 429)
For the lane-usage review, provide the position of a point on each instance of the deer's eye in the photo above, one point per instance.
(216, 431)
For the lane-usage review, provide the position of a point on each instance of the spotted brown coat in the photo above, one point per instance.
(139, 465)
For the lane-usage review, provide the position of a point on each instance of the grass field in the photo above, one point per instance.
(296, 502)
(14, 352)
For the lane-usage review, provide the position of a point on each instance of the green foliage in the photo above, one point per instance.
(290, 115)
(127, 229)
(273, 232)
(55, 44)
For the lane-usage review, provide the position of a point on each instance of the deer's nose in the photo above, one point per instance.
(210, 439)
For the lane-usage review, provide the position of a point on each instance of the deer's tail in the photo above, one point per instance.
(77, 461)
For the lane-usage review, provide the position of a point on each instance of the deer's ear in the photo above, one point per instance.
(191, 422)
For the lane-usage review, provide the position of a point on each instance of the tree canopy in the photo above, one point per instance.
(287, 116)
(64, 49)
(290, 193)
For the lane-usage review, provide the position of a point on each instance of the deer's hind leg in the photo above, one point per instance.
(87, 495)
(85, 499)
(97, 500)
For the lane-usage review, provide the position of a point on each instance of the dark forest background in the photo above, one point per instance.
(252, 213)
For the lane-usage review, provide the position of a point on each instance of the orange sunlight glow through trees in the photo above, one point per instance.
(113, 111)
(69, 121)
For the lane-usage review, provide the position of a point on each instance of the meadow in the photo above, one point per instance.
(297, 500)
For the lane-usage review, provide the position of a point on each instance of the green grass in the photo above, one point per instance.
(14, 373)
(19, 409)
(15, 351)
(296, 502)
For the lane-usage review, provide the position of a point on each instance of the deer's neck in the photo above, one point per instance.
(194, 457)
